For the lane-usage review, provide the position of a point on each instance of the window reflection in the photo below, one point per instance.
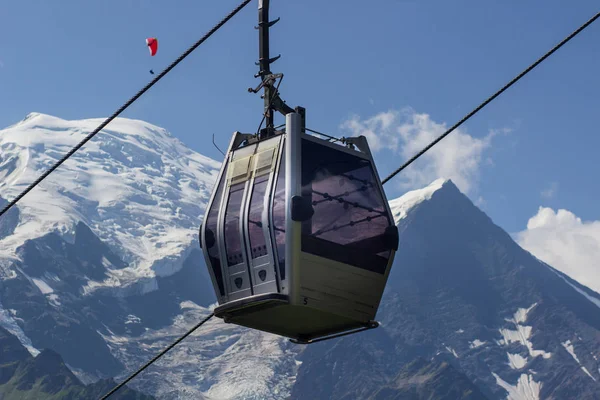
(233, 239)
(350, 216)
(258, 244)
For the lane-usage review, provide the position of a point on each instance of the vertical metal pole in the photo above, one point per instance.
(263, 50)
(293, 187)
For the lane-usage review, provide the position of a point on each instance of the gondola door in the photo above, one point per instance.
(233, 251)
(258, 239)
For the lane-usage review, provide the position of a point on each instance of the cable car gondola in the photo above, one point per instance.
(298, 235)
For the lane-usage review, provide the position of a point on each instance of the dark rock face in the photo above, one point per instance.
(9, 221)
(11, 352)
(46, 376)
(453, 297)
(57, 314)
(11, 349)
(421, 379)
(158, 308)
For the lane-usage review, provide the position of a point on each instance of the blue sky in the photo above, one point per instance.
(389, 65)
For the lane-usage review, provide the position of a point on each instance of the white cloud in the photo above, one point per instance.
(458, 156)
(551, 191)
(379, 130)
(565, 242)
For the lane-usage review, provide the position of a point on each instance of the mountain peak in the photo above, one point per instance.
(402, 205)
(126, 126)
(34, 114)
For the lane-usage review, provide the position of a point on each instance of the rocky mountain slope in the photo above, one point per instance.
(45, 376)
(463, 292)
(101, 265)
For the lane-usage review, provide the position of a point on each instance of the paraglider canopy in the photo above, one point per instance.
(152, 45)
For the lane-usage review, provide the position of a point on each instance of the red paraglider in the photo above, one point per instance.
(152, 45)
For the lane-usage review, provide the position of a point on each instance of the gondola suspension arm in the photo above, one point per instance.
(272, 101)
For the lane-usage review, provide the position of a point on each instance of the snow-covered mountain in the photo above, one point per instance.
(139, 189)
(101, 264)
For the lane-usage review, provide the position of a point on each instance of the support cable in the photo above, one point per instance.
(124, 106)
(522, 74)
(198, 325)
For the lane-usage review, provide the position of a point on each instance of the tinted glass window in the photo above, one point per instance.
(258, 244)
(350, 217)
(279, 217)
(211, 235)
(233, 238)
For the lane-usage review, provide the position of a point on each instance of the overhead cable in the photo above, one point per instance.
(198, 325)
(124, 106)
(509, 84)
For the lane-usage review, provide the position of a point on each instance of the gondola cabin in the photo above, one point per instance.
(298, 235)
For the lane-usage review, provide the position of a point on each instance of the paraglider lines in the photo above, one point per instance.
(498, 93)
(124, 106)
(152, 44)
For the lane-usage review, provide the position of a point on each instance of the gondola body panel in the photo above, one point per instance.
(304, 235)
